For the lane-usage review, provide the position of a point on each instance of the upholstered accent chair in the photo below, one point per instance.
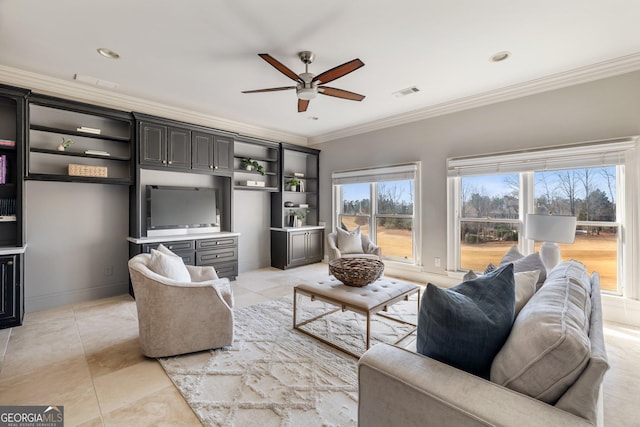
(367, 250)
(177, 317)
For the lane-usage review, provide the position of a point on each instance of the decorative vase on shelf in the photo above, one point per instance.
(249, 167)
(293, 188)
(61, 147)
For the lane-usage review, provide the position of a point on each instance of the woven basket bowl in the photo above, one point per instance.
(356, 272)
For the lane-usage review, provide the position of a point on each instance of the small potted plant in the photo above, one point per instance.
(250, 165)
(293, 184)
(66, 143)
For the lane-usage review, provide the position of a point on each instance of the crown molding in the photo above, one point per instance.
(601, 70)
(94, 95)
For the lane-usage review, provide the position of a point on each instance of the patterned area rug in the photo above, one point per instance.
(276, 376)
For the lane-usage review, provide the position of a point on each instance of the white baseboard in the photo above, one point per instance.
(621, 310)
(47, 301)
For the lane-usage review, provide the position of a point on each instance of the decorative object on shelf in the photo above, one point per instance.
(249, 183)
(551, 229)
(250, 165)
(298, 174)
(296, 217)
(66, 143)
(7, 143)
(85, 129)
(357, 272)
(86, 170)
(97, 152)
(289, 204)
(293, 184)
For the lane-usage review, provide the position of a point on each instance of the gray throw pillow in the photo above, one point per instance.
(466, 325)
(349, 242)
(525, 263)
(525, 286)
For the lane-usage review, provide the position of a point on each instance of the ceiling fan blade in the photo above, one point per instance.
(302, 105)
(280, 66)
(271, 89)
(339, 93)
(339, 71)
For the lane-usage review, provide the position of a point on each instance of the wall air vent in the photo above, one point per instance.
(404, 92)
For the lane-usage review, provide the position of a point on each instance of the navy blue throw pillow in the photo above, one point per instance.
(465, 326)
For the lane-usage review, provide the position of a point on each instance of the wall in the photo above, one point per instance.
(76, 242)
(597, 110)
(251, 218)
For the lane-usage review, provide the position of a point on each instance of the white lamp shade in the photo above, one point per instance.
(551, 228)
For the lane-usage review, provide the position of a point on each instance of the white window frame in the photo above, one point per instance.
(374, 176)
(621, 152)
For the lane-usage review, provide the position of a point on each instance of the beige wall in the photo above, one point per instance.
(601, 109)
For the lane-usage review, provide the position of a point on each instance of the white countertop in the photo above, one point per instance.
(11, 250)
(181, 237)
(303, 228)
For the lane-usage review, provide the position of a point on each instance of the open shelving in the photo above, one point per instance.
(52, 120)
(266, 154)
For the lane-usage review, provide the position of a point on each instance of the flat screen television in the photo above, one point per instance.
(182, 209)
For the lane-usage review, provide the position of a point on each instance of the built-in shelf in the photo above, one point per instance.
(74, 178)
(50, 129)
(267, 154)
(53, 119)
(78, 154)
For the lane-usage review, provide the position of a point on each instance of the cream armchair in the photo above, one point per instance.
(369, 249)
(177, 318)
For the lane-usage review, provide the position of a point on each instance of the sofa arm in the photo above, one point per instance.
(399, 387)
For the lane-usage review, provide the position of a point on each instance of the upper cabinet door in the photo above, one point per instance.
(153, 144)
(223, 155)
(179, 148)
(202, 146)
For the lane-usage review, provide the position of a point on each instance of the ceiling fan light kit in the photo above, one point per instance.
(308, 85)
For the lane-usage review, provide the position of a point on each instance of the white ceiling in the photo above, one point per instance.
(199, 55)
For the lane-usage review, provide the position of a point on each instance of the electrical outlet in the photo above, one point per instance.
(436, 261)
(108, 270)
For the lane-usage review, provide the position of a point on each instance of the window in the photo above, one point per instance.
(490, 196)
(383, 203)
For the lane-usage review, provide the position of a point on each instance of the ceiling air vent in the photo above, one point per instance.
(404, 92)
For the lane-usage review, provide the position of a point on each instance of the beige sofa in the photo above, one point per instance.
(369, 249)
(400, 387)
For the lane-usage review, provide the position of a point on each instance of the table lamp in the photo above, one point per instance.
(551, 229)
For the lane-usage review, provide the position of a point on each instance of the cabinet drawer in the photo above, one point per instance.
(181, 245)
(227, 269)
(216, 243)
(216, 256)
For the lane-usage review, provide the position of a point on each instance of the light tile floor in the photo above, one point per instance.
(86, 357)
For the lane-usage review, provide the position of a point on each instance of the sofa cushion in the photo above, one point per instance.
(349, 242)
(525, 263)
(169, 266)
(525, 286)
(465, 326)
(548, 347)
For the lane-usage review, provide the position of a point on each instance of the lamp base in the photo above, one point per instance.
(550, 255)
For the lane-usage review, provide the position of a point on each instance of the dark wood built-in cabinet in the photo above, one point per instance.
(102, 142)
(300, 247)
(296, 237)
(13, 111)
(183, 147)
(266, 154)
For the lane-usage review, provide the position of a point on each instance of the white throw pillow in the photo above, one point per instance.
(349, 242)
(162, 248)
(171, 267)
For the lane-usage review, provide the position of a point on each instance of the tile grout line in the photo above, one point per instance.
(93, 385)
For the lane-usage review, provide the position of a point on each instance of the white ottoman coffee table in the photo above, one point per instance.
(367, 301)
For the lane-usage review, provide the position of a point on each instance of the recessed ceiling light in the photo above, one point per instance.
(108, 53)
(500, 56)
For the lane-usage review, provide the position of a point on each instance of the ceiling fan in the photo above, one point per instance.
(309, 85)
